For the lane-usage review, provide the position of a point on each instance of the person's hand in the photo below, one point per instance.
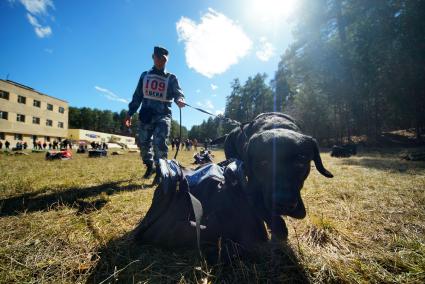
(180, 102)
(127, 121)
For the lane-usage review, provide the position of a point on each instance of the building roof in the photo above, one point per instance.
(30, 89)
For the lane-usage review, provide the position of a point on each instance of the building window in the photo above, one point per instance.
(36, 103)
(60, 124)
(4, 95)
(18, 136)
(47, 138)
(49, 122)
(61, 110)
(3, 114)
(49, 107)
(2, 136)
(35, 120)
(22, 100)
(34, 138)
(20, 117)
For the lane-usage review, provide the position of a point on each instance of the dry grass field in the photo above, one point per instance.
(69, 221)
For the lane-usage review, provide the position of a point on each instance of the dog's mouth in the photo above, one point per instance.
(294, 210)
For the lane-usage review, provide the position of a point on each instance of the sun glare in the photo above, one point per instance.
(272, 9)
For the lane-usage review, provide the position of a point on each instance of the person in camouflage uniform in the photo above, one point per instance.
(155, 92)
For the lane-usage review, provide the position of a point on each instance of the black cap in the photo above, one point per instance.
(160, 51)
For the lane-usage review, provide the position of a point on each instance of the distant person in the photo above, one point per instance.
(25, 145)
(18, 146)
(7, 144)
(1, 145)
(155, 91)
(44, 145)
(195, 144)
(173, 143)
(50, 146)
(177, 144)
(34, 144)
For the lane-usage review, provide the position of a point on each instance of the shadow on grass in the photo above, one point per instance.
(31, 202)
(124, 261)
(384, 164)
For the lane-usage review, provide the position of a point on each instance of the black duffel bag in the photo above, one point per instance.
(206, 208)
(97, 153)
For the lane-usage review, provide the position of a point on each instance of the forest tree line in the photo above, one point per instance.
(354, 68)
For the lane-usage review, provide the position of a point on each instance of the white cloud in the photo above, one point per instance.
(37, 7)
(43, 31)
(206, 104)
(266, 50)
(48, 50)
(40, 31)
(33, 21)
(214, 44)
(214, 87)
(110, 95)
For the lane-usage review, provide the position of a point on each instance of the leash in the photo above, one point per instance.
(180, 135)
(220, 116)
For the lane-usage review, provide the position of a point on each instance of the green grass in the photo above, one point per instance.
(69, 221)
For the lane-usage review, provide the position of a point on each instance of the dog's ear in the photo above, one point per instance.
(318, 161)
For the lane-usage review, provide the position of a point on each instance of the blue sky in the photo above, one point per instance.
(91, 53)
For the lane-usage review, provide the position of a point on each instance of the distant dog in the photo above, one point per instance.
(277, 158)
(344, 151)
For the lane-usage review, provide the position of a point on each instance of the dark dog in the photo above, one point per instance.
(277, 158)
(343, 151)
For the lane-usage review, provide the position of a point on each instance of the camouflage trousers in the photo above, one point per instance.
(154, 134)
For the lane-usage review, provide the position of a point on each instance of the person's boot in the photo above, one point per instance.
(149, 171)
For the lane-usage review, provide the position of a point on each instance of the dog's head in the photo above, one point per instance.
(278, 161)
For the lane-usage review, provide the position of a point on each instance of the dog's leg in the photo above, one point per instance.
(278, 228)
(275, 223)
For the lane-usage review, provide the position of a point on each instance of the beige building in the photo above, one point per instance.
(28, 115)
(100, 137)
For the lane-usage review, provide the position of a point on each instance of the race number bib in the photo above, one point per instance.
(155, 87)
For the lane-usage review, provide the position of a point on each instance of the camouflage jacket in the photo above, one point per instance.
(155, 91)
